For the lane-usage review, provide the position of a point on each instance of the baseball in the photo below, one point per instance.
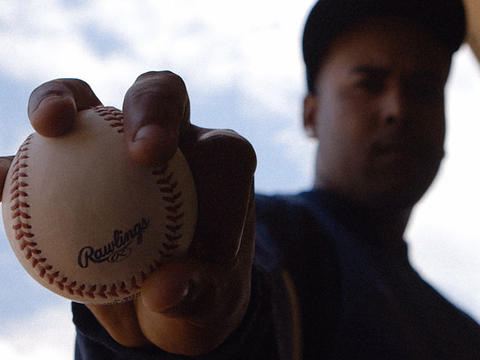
(87, 222)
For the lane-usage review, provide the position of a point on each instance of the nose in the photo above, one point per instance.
(394, 107)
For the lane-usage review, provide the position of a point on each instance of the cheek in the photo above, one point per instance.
(432, 130)
(344, 142)
(344, 127)
(347, 115)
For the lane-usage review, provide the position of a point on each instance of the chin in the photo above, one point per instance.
(398, 194)
(401, 187)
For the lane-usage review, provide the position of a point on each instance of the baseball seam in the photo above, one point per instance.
(25, 238)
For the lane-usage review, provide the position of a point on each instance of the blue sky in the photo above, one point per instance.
(242, 66)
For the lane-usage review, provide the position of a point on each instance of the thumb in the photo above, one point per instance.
(176, 309)
(4, 166)
(173, 290)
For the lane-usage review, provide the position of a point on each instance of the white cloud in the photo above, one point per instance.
(253, 45)
(47, 334)
(300, 150)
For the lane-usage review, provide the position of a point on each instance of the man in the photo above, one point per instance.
(330, 277)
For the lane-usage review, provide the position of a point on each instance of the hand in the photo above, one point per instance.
(5, 162)
(191, 305)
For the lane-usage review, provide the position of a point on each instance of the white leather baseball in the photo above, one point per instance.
(87, 222)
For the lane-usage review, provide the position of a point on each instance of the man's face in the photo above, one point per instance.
(378, 113)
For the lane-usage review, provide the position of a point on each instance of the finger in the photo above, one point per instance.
(187, 287)
(167, 321)
(52, 106)
(190, 306)
(156, 107)
(202, 317)
(120, 321)
(4, 166)
(173, 284)
(223, 164)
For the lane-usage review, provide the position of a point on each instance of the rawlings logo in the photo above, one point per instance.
(116, 250)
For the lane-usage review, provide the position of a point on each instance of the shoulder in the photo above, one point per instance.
(286, 214)
(279, 205)
(288, 224)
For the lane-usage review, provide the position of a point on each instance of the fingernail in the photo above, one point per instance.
(55, 97)
(155, 132)
(189, 291)
(146, 132)
(187, 297)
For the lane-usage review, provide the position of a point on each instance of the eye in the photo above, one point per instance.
(426, 92)
(371, 85)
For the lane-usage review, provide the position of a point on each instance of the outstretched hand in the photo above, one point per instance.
(4, 165)
(191, 305)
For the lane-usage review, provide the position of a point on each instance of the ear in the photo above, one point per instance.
(310, 106)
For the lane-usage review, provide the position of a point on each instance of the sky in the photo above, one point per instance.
(242, 65)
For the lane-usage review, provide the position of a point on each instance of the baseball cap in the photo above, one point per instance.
(329, 18)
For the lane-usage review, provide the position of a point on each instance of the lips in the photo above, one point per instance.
(406, 154)
(397, 148)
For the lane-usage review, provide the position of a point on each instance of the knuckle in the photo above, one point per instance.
(164, 75)
(154, 92)
(165, 83)
(127, 340)
(158, 95)
(232, 147)
(76, 89)
(77, 86)
(61, 86)
(52, 87)
(48, 89)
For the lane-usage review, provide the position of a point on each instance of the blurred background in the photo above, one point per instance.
(242, 65)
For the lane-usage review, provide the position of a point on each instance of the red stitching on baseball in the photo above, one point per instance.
(161, 170)
(17, 194)
(19, 204)
(113, 291)
(172, 199)
(21, 214)
(175, 218)
(42, 271)
(165, 181)
(174, 208)
(23, 234)
(78, 291)
(91, 291)
(109, 113)
(174, 228)
(51, 277)
(133, 283)
(36, 261)
(20, 225)
(61, 283)
(174, 214)
(123, 288)
(173, 238)
(102, 290)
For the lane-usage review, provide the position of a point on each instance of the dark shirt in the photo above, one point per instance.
(359, 297)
